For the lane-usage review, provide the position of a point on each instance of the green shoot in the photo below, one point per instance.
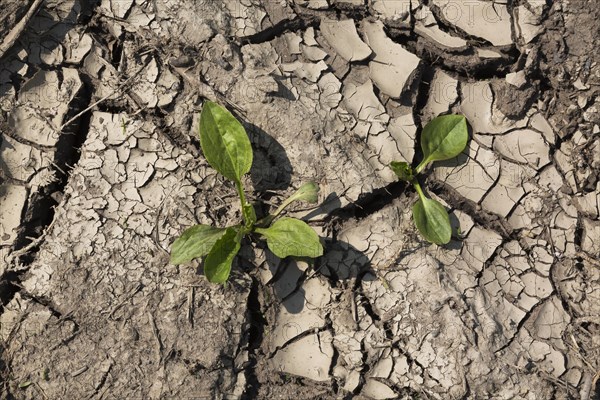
(227, 149)
(443, 138)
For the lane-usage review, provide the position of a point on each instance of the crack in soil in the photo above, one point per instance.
(480, 216)
(40, 210)
(271, 33)
(255, 339)
(366, 205)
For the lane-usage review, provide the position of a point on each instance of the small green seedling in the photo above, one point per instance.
(443, 138)
(227, 149)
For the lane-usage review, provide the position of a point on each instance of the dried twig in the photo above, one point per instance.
(115, 91)
(14, 34)
(14, 256)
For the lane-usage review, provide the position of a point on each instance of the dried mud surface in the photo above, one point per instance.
(101, 169)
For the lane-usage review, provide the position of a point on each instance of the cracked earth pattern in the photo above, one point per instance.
(101, 170)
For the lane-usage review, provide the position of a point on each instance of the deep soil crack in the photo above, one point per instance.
(255, 339)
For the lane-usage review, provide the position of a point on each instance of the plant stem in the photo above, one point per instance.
(421, 166)
(418, 189)
(243, 202)
(282, 207)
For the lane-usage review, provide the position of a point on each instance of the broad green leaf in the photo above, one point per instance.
(224, 142)
(194, 242)
(292, 237)
(308, 192)
(443, 138)
(431, 219)
(402, 170)
(217, 265)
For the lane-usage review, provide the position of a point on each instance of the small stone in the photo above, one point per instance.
(517, 79)
(579, 85)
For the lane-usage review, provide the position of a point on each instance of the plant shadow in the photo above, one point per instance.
(271, 167)
(340, 262)
(287, 277)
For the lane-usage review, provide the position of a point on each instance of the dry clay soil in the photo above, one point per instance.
(101, 170)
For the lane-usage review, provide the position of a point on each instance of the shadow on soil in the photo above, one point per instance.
(340, 261)
(271, 167)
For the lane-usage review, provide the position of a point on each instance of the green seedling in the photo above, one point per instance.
(443, 138)
(227, 149)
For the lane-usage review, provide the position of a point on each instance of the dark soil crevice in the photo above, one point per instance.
(45, 302)
(255, 340)
(297, 338)
(380, 198)
(286, 25)
(40, 211)
(427, 76)
(368, 203)
(9, 286)
(448, 28)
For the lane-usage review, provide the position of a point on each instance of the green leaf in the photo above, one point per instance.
(308, 192)
(194, 242)
(402, 170)
(24, 385)
(224, 142)
(431, 219)
(292, 237)
(217, 265)
(443, 138)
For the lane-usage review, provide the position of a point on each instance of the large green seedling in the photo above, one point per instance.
(227, 149)
(443, 138)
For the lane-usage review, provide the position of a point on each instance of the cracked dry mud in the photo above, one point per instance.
(101, 170)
